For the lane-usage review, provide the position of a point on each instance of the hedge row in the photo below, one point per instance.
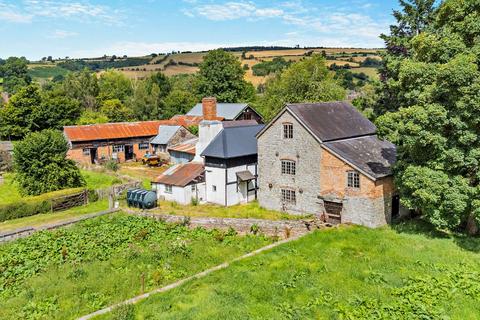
(34, 205)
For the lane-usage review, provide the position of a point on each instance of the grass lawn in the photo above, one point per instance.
(69, 272)
(345, 273)
(95, 180)
(251, 210)
(138, 171)
(49, 218)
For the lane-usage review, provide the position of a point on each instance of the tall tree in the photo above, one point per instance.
(14, 72)
(414, 17)
(16, 116)
(114, 85)
(437, 126)
(305, 81)
(41, 166)
(32, 109)
(83, 86)
(221, 75)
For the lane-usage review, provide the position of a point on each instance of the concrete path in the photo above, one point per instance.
(196, 276)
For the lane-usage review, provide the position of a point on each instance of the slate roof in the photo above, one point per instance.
(239, 123)
(165, 133)
(228, 111)
(183, 174)
(369, 154)
(234, 142)
(332, 120)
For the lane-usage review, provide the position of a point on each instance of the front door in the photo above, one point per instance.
(333, 211)
(93, 155)
(128, 153)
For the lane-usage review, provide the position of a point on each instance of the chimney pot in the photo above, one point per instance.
(209, 108)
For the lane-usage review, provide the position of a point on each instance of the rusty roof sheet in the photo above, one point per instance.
(330, 121)
(188, 146)
(183, 174)
(110, 131)
(190, 120)
(369, 154)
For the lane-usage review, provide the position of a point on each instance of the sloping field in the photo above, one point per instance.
(345, 273)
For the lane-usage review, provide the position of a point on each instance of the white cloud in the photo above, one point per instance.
(61, 34)
(232, 11)
(10, 13)
(334, 25)
(28, 10)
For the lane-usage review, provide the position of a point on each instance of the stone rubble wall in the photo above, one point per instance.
(282, 228)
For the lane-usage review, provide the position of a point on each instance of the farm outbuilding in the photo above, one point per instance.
(181, 183)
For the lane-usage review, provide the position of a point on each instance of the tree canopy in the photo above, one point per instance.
(435, 121)
(41, 166)
(14, 72)
(308, 80)
(221, 75)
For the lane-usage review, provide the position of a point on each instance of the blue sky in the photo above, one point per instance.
(87, 28)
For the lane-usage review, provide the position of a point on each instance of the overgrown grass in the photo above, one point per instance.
(74, 271)
(345, 273)
(49, 218)
(251, 210)
(9, 192)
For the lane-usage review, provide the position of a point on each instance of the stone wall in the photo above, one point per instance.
(305, 151)
(282, 229)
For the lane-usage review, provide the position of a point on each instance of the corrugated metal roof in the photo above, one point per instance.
(228, 111)
(369, 154)
(165, 133)
(187, 120)
(234, 142)
(188, 146)
(108, 131)
(183, 174)
(332, 120)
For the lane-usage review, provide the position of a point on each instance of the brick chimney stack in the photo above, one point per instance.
(209, 108)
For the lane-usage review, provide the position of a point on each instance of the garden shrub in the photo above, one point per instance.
(24, 209)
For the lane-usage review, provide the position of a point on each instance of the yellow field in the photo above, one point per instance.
(342, 63)
(371, 72)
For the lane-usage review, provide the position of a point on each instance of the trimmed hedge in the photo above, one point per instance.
(37, 205)
(24, 209)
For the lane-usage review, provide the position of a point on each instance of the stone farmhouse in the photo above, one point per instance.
(325, 159)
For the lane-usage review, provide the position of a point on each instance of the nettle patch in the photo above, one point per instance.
(419, 297)
(68, 272)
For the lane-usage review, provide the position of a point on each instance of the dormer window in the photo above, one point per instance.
(288, 131)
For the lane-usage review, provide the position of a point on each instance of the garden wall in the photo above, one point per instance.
(282, 228)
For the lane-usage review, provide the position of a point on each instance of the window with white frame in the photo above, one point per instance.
(289, 196)
(168, 188)
(288, 167)
(118, 148)
(143, 146)
(86, 152)
(353, 179)
(193, 188)
(288, 131)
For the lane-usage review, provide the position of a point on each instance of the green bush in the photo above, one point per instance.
(24, 209)
(112, 165)
(92, 195)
